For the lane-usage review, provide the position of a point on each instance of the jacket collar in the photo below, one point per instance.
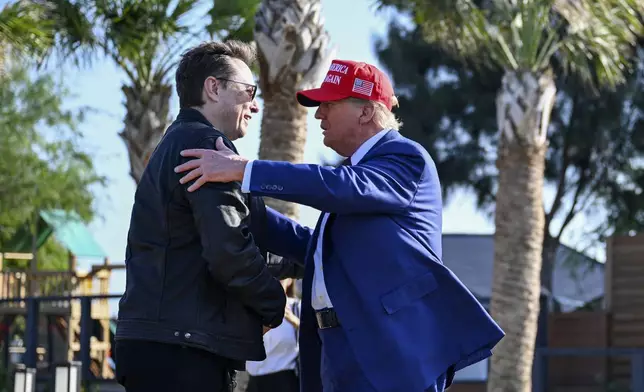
(193, 115)
(190, 115)
(390, 135)
(367, 146)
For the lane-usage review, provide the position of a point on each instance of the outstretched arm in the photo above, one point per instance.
(383, 184)
(286, 237)
(380, 185)
(278, 236)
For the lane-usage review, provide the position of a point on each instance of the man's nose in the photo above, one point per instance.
(254, 108)
(318, 114)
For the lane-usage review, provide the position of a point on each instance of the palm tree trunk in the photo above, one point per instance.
(524, 107)
(283, 137)
(517, 266)
(146, 119)
(293, 55)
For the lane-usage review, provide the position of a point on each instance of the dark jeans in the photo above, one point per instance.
(143, 366)
(284, 381)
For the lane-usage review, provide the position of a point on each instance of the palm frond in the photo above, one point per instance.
(600, 40)
(462, 29)
(72, 28)
(232, 19)
(138, 32)
(21, 30)
(593, 39)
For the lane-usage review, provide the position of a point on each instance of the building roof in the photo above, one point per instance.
(577, 278)
(68, 229)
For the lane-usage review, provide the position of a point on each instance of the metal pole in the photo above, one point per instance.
(31, 338)
(85, 334)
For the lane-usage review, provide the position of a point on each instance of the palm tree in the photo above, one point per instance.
(143, 38)
(294, 52)
(530, 40)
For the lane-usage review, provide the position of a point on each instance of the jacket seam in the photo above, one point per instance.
(420, 180)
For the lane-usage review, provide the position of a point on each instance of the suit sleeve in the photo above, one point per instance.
(384, 184)
(286, 237)
(277, 236)
(234, 260)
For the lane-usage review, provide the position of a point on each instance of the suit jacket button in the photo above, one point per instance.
(187, 335)
(176, 333)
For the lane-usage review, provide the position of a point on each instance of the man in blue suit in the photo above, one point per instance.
(380, 312)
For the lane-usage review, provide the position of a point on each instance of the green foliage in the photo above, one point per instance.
(51, 256)
(594, 160)
(20, 28)
(41, 163)
(233, 19)
(592, 39)
(33, 30)
(143, 37)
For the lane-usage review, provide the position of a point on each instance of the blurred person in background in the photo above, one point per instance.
(279, 371)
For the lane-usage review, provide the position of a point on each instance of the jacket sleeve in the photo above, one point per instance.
(234, 260)
(286, 237)
(384, 184)
(282, 267)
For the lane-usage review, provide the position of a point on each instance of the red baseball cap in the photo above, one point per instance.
(350, 79)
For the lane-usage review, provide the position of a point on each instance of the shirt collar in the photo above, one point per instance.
(366, 146)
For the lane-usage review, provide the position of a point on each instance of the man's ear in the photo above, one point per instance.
(211, 88)
(366, 116)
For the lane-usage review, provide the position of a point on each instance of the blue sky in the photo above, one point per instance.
(352, 32)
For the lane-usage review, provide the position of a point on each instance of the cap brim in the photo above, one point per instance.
(313, 97)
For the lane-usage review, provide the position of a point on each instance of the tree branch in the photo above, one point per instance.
(588, 178)
(561, 184)
(583, 178)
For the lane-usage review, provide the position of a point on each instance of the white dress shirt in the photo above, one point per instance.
(281, 347)
(319, 295)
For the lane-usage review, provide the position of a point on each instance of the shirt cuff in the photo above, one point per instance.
(245, 188)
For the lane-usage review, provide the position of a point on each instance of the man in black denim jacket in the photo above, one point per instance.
(199, 295)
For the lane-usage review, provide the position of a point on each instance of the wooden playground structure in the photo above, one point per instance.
(59, 326)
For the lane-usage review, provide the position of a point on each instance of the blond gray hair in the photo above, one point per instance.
(382, 116)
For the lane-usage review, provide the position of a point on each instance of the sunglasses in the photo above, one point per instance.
(253, 86)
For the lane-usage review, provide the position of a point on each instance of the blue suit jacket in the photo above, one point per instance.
(407, 317)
